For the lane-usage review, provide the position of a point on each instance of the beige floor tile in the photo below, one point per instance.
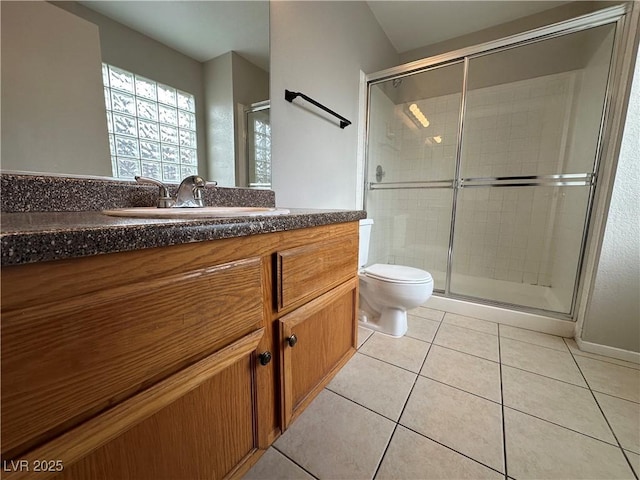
(412, 456)
(537, 449)
(404, 352)
(421, 328)
(468, 341)
(472, 323)
(335, 438)
(428, 313)
(464, 422)
(624, 417)
(634, 458)
(374, 384)
(609, 378)
(573, 346)
(529, 336)
(558, 402)
(275, 466)
(466, 372)
(363, 335)
(545, 361)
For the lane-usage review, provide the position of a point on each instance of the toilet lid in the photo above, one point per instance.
(398, 273)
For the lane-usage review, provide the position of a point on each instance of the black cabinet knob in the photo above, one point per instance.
(265, 358)
(292, 340)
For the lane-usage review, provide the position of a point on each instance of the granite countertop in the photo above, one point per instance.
(29, 237)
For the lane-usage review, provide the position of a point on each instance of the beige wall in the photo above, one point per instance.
(137, 53)
(57, 125)
(218, 79)
(613, 315)
(229, 80)
(319, 48)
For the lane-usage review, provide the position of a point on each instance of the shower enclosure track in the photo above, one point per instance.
(560, 180)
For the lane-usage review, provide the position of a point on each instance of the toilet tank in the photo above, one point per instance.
(365, 236)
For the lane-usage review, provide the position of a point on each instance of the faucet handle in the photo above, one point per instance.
(164, 199)
(191, 192)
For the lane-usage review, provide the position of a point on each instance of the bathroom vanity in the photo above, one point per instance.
(182, 360)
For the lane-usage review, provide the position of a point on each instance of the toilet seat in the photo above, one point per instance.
(397, 274)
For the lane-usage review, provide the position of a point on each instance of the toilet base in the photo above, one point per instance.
(392, 321)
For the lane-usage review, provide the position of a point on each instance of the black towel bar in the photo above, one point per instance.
(289, 96)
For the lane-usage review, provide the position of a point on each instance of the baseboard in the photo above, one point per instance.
(529, 321)
(608, 351)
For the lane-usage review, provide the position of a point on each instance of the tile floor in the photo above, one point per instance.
(458, 398)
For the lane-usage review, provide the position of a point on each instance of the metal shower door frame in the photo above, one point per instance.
(612, 15)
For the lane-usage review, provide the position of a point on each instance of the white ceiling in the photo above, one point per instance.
(206, 29)
(414, 24)
(201, 30)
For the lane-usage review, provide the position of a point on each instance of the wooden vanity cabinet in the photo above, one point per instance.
(317, 340)
(319, 336)
(208, 432)
(148, 364)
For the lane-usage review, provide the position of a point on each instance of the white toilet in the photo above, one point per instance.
(388, 291)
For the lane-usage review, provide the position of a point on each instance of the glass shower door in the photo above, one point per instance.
(412, 156)
(528, 162)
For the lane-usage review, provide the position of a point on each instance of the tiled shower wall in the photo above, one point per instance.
(505, 233)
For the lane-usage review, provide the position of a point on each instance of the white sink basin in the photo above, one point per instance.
(204, 212)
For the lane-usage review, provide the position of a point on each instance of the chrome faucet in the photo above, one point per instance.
(190, 192)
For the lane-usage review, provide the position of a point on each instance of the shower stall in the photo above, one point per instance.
(482, 163)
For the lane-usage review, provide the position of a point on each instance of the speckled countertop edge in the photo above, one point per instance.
(46, 236)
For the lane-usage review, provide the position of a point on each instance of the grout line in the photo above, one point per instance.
(462, 389)
(448, 324)
(568, 350)
(361, 405)
(504, 427)
(450, 448)
(293, 461)
(386, 449)
(603, 359)
(624, 454)
(466, 353)
(405, 403)
(389, 363)
(546, 376)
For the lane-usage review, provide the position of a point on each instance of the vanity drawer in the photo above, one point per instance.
(305, 272)
(63, 362)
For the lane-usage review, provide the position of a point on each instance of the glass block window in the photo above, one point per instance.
(262, 152)
(152, 127)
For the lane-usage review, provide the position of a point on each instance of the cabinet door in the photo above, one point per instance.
(317, 339)
(198, 423)
(204, 434)
(65, 361)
